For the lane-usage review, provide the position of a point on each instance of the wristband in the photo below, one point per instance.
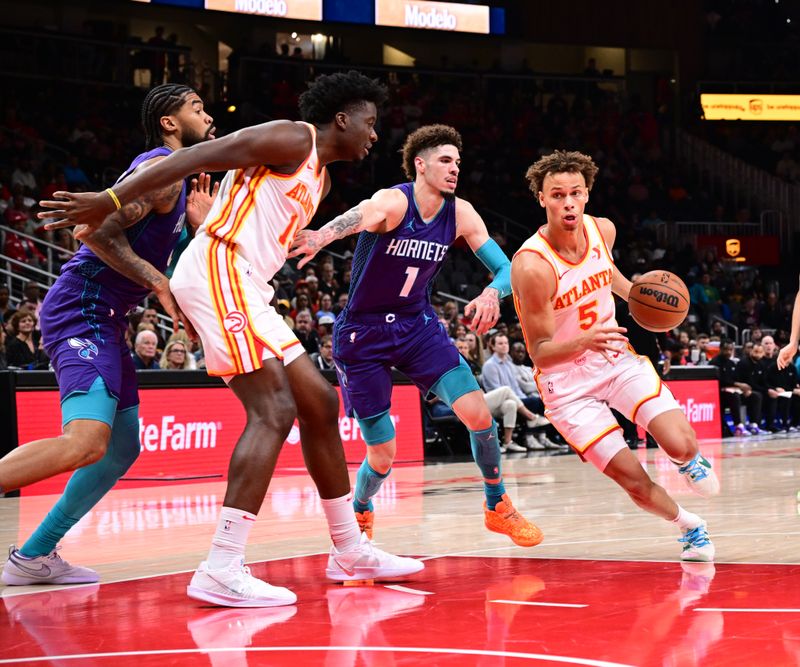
(114, 197)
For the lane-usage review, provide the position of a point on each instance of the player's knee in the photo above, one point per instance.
(85, 442)
(380, 459)
(326, 404)
(275, 413)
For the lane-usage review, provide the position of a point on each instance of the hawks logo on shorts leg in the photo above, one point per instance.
(86, 348)
(235, 321)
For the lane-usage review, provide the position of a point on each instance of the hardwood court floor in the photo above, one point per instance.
(605, 587)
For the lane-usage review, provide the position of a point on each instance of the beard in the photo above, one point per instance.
(448, 196)
(191, 138)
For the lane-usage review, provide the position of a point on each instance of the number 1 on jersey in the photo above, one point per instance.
(411, 276)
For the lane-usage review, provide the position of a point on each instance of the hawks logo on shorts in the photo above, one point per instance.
(235, 321)
(86, 348)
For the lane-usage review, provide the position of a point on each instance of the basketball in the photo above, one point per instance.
(658, 301)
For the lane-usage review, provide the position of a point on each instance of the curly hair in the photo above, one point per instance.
(17, 317)
(561, 162)
(425, 138)
(331, 93)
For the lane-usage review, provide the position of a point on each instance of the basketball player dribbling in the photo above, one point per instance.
(406, 232)
(276, 180)
(563, 278)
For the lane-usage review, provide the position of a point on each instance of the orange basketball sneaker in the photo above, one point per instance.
(506, 520)
(365, 521)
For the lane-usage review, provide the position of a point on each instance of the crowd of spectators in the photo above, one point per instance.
(506, 122)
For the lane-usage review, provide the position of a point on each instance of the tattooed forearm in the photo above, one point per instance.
(111, 245)
(343, 225)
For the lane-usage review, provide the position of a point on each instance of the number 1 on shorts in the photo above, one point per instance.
(411, 276)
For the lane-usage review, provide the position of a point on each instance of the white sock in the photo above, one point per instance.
(686, 520)
(230, 538)
(342, 522)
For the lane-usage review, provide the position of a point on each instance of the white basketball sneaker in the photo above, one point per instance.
(700, 476)
(696, 545)
(48, 569)
(234, 586)
(366, 561)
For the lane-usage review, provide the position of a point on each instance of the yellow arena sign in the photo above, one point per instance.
(308, 10)
(750, 107)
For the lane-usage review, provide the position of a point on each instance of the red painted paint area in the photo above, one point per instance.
(635, 613)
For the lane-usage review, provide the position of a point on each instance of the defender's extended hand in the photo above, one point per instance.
(76, 208)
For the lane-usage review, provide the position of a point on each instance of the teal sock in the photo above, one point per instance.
(368, 482)
(88, 485)
(486, 452)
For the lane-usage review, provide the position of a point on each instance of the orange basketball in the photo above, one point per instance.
(659, 301)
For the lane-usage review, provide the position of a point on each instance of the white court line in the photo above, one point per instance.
(404, 589)
(542, 604)
(377, 649)
(752, 610)
(6, 591)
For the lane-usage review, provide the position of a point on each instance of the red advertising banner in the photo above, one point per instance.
(188, 434)
(699, 400)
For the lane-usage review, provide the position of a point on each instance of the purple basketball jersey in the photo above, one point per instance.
(153, 238)
(394, 272)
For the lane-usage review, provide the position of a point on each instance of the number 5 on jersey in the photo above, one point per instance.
(587, 314)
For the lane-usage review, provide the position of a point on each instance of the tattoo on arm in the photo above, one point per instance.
(343, 225)
(111, 245)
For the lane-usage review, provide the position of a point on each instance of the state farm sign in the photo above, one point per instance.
(699, 400)
(182, 439)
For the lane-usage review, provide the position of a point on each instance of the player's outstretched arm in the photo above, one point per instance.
(484, 310)
(534, 285)
(278, 143)
(380, 214)
(787, 352)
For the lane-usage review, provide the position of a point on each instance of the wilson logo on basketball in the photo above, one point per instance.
(661, 297)
(235, 321)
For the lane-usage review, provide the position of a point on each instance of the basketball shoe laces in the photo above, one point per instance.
(696, 470)
(696, 537)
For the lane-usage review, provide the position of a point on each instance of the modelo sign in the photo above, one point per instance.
(307, 10)
(426, 15)
(182, 440)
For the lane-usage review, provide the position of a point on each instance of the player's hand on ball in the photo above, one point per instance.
(486, 309)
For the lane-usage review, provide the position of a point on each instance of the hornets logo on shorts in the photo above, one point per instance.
(86, 348)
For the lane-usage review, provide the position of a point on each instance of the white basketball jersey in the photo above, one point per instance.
(258, 212)
(583, 295)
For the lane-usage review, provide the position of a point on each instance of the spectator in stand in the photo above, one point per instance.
(23, 176)
(301, 302)
(327, 279)
(325, 325)
(20, 248)
(498, 371)
(733, 393)
(145, 350)
(283, 306)
(752, 370)
(304, 330)
(341, 302)
(176, 357)
(157, 56)
(772, 314)
(770, 349)
(325, 307)
(782, 387)
(32, 298)
(64, 239)
(476, 354)
(462, 345)
(192, 347)
(150, 316)
(313, 292)
(324, 358)
(756, 335)
(3, 361)
(76, 178)
(449, 313)
(24, 346)
(6, 311)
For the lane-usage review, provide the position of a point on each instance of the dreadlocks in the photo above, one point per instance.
(160, 101)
